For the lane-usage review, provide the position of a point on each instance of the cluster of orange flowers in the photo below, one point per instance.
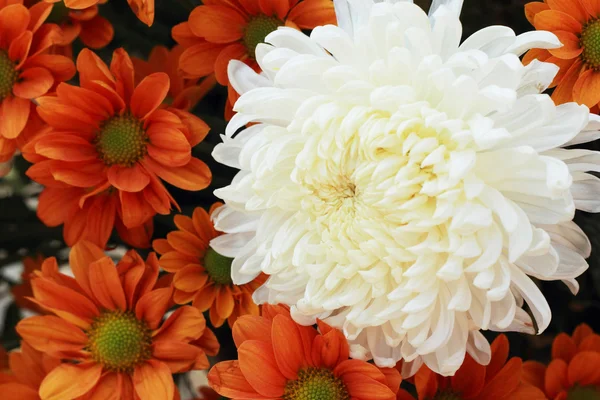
(103, 150)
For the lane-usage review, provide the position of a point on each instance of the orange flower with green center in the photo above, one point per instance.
(143, 9)
(27, 71)
(279, 359)
(184, 93)
(108, 146)
(576, 23)
(574, 372)
(499, 380)
(202, 276)
(108, 329)
(224, 30)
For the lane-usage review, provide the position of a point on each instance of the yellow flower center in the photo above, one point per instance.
(583, 393)
(590, 43)
(119, 341)
(257, 30)
(218, 267)
(122, 141)
(8, 75)
(316, 384)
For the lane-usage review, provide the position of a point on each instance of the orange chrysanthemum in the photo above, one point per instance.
(224, 30)
(574, 372)
(27, 71)
(107, 147)
(576, 23)
(279, 359)
(144, 9)
(27, 369)
(23, 291)
(201, 275)
(184, 93)
(108, 328)
(499, 380)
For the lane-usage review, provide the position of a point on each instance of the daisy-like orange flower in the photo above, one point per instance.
(143, 9)
(184, 93)
(202, 275)
(224, 30)
(574, 372)
(576, 23)
(279, 359)
(107, 147)
(27, 369)
(27, 71)
(499, 380)
(108, 329)
(22, 292)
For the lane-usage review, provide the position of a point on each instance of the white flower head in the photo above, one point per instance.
(404, 187)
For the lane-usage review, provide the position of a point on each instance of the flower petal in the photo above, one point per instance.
(185, 324)
(33, 83)
(149, 94)
(217, 23)
(227, 379)
(107, 286)
(69, 381)
(194, 176)
(257, 362)
(129, 179)
(587, 88)
(14, 112)
(152, 306)
(153, 381)
(52, 335)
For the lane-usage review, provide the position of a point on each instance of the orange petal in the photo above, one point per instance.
(66, 147)
(469, 379)
(311, 13)
(138, 236)
(149, 94)
(193, 176)
(257, 362)
(56, 204)
(287, 344)
(65, 117)
(129, 179)
(590, 343)
(191, 278)
(168, 146)
(18, 391)
(205, 298)
(61, 67)
(208, 342)
(183, 35)
(592, 7)
(75, 226)
(80, 4)
(69, 381)
(14, 20)
(199, 59)
(143, 9)
(581, 332)
(571, 47)
(184, 223)
(330, 348)
(505, 381)
(174, 261)
(533, 8)
(107, 388)
(158, 197)
(587, 88)
(107, 287)
(226, 378)
(533, 373)
(234, 51)
(363, 380)
(19, 48)
(564, 90)
(556, 378)
(92, 68)
(551, 20)
(153, 381)
(584, 369)
(196, 128)
(573, 8)
(81, 256)
(135, 211)
(224, 303)
(251, 327)
(563, 347)
(33, 83)
(188, 244)
(14, 112)
(184, 325)
(178, 356)
(217, 24)
(101, 219)
(122, 69)
(564, 66)
(58, 297)
(96, 33)
(152, 306)
(527, 392)
(39, 13)
(87, 100)
(52, 335)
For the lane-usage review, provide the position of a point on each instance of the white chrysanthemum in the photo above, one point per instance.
(403, 187)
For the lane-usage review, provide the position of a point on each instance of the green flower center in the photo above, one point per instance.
(218, 267)
(590, 43)
(316, 384)
(122, 141)
(257, 30)
(447, 396)
(583, 393)
(8, 75)
(59, 13)
(119, 341)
